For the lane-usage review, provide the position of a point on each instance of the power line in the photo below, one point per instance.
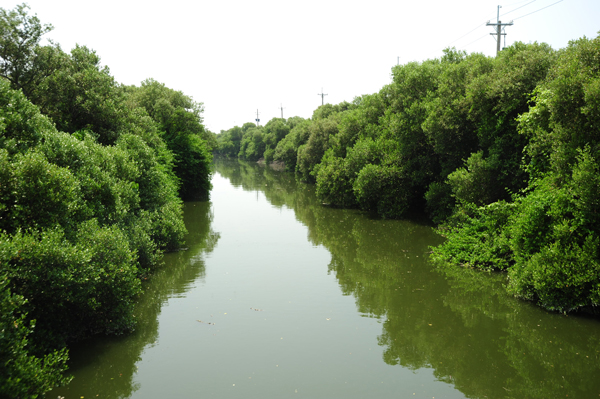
(478, 26)
(518, 8)
(508, 12)
(559, 1)
(476, 40)
(517, 2)
(471, 31)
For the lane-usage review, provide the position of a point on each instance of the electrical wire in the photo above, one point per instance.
(473, 30)
(518, 8)
(466, 45)
(523, 16)
(518, 2)
(468, 33)
(480, 25)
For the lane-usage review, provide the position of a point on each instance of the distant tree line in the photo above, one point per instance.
(92, 177)
(502, 153)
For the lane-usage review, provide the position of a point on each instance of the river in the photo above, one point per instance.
(278, 296)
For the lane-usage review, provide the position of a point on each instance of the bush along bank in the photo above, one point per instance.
(91, 179)
(501, 153)
(547, 235)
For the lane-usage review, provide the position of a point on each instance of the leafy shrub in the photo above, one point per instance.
(40, 194)
(73, 290)
(24, 375)
(180, 120)
(21, 124)
(336, 176)
(82, 95)
(287, 152)
(252, 145)
(476, 183)
(561, 276)
(268, 155)
(334, 182)
(555, 238)
(383, 190)
(477, 237)
(439, 202)
(84, 210)
(311, 153)
(531, 225)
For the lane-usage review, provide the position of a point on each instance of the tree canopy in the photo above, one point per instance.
(92, 176)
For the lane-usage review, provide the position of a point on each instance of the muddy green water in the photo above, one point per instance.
(281, 297)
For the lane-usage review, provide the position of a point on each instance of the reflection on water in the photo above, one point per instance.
(105, 367)
(412, 329)
(459, 322)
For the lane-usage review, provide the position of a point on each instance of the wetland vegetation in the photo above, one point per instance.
(93, 175)
(502, 154)
(350, 305)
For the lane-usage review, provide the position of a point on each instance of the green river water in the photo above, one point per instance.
(279, 296)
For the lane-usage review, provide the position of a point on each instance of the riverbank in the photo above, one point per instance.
(501, 152)
(314, 295)
(92, 176)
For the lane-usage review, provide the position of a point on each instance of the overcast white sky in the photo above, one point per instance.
(240, 56)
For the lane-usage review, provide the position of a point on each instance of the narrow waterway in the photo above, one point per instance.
(278, 296)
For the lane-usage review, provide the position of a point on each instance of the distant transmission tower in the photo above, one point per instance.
(257, 120)
(499, 27)
(322, 96)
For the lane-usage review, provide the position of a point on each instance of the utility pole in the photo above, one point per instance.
(281, 106)
(322, 96)
(499, 27)
(257, 120)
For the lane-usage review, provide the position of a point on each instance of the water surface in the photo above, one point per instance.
(279, 296)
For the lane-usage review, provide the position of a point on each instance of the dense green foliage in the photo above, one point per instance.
(296, 142)
(91, 179)
(179, 119)
(548, 236)
(443, 130)
(504, 152)
(23, 375)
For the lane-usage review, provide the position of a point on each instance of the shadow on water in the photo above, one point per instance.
(458, 322)
(105, 367)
